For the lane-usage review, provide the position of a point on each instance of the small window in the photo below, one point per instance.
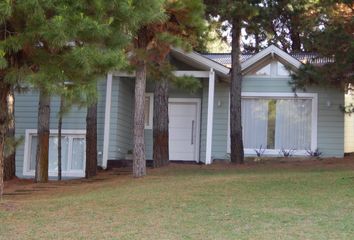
(281, 70)
(264, 71)
(73, 153)
(149, 100)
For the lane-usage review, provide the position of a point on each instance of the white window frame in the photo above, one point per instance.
(53, 132)
(273, 71)
(263, 95)
(151, 111)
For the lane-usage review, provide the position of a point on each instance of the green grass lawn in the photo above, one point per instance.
(192, 202)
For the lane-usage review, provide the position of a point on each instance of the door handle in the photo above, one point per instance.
(192, 132)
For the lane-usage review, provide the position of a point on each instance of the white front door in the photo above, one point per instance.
(183, 130)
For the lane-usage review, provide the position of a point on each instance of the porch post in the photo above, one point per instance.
(209, 134)
(107, 120)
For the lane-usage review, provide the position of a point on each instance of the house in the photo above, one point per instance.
(272, 116)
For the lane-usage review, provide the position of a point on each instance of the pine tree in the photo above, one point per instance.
(184, 27)
(287, 23)
(332, 40)
(141, 45)
(236, 13)
(44, 43)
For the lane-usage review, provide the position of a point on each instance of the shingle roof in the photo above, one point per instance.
(225, 58)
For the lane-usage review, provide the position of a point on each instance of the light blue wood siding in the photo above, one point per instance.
(125, 115)
(121, 123)
(101, 103)
(220, 120)
(330, 128)
(26, 112)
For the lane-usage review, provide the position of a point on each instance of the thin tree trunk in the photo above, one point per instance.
(60, 124)
(237, 154)
(9, 163)
(160, 124)
(139, 162)
(91, 141)
(295, 34)
(4, 91)
(42, 162)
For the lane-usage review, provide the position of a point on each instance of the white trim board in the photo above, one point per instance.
(178, 73)
(107, 120)
(275, 95)
(271, 50)
(151, 110)
(65, 132)
(210, 117)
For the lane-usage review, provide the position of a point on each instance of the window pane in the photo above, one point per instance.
(282, 70)
(264, 71)
(53, 153)
(254, 122)
(78, 155)
(293, 124)
(33, 154)
(147, 111)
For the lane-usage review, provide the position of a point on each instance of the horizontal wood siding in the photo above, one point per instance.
(203, 121)
(101, 103)
(26, 109)
(124, 131)
(330, 128)
(220, 123)
(113, 127)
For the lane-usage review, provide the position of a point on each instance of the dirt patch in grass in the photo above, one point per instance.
(21, 187)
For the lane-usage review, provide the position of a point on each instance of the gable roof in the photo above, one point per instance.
(221, 62)
(197, 59)
(313, 58)
(270, 51)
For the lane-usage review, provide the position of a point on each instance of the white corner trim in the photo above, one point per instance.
(275, 95)
(151, 110)
(107, 120)
(271, 50)
(209, 134)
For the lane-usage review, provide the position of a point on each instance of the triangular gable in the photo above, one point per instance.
(200, 60)
(270, 51)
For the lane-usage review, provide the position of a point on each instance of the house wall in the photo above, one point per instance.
(349, 127)
(26, 114)
(121, 124)
(330, 128)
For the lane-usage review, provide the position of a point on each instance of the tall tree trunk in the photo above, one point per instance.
(4, 91)
(237, 154)
(91, 141)
(160, 124)
(42, 162)
(295, 40)
(60, 124)
(9, 163)
(139, 162)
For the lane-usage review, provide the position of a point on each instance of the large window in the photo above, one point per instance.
(281, 121)
(73, 153)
